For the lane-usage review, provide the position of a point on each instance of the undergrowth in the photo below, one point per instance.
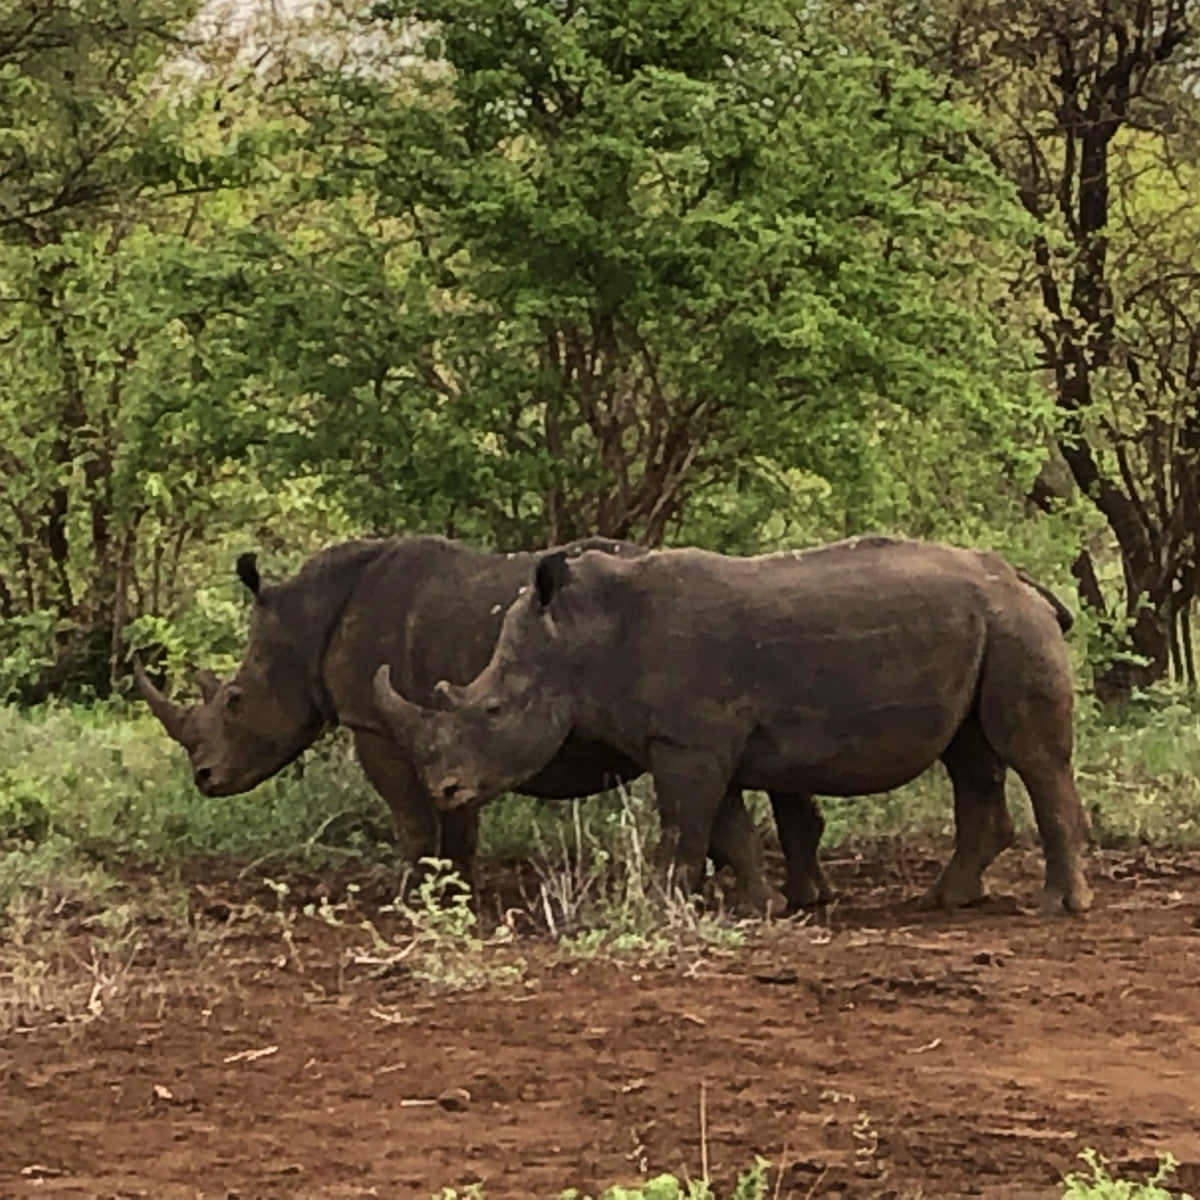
(599, 891)
(751, 1185)
(1094, 1184)
(1097, 1184)
(70, 934)
(100, 793)
(442, 947)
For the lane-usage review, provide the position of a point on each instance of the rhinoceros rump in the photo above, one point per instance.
(429, 608)
(844, 670)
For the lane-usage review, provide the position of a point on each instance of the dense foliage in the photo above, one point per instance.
(728, 271)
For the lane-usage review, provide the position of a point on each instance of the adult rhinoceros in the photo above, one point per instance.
(429, 608)
(845, 670)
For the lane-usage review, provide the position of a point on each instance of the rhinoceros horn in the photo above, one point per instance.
(170, 714)
(403, 715)
(208, 684)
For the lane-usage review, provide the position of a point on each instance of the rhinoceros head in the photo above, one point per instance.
(505, 725)
(246, 728)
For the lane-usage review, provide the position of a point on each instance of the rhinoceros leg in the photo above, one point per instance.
(1025, 711)
(1042, 758)
(800, 825)
(982, 824)
(1063, 824)
(735, 843)
(423, 832)
(689, 787)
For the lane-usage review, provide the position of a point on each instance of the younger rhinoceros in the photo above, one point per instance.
(431, 609)
(846, 670)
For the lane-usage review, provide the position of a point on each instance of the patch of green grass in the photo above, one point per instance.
(104, 785)
(116, 788)
(752, 1185)
(1097, 1184)
(443, 948)
(1140, 775)
(599, 891)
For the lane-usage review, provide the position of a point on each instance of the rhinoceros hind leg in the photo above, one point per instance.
(1063, 825)
(982, 825)
(735, 843)
(1026, 714)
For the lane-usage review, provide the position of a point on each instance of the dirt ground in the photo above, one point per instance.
(879, 1052)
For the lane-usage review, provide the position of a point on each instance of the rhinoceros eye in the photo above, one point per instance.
(492, 708)
(233, 700)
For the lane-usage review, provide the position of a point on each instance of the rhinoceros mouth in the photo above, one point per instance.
(216, 783)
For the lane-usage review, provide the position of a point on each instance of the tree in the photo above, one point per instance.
(118, 416)
(73, 75)
(1090, 110)
(633, 251)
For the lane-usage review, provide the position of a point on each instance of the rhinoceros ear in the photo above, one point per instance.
(208, 684)
(552, 575)
(247, 571)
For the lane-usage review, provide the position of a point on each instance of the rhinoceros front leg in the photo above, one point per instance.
(689, 787)
(421, 829)
(800, 825)
(982, 824)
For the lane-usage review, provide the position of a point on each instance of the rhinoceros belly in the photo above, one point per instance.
(843, 752)
(865, 707)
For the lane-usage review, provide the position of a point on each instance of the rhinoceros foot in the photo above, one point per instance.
(809, 900)
(952, 892)
(755, 900)
(1073, 900)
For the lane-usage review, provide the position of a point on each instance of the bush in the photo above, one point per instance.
(752, 1185)
(1098, 1184)
(117, 788)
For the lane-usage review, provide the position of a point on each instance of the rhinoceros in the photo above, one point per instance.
(430, 608)
(846, 670)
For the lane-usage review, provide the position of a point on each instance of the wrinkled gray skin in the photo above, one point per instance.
(430, 609)
(845, 670)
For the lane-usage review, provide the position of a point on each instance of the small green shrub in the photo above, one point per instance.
(1098, 1184)
(24, 812)
(600, 892)
(443, 948)
(751, 1185)
(117, 788)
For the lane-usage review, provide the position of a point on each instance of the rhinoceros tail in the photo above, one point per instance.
(1062, 614)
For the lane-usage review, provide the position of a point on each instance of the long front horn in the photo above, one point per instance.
(403, 717)
(170, 714)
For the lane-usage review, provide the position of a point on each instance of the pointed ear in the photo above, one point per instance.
(445, 696)
(552, 575)
(208, 684)
(247, 571)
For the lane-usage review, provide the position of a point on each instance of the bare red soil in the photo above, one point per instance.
(883, 1052)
